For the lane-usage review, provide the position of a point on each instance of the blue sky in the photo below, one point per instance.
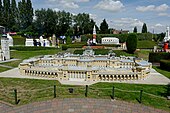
(120, 14)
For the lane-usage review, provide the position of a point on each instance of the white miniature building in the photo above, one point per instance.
(29, 42)
(167, 36)
(44, 42)
(5, 51)
(110, 40)
(10, 39)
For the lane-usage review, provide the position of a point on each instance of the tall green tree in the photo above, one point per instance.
(29, 13)
(104, 27)
(131, 43)
(6, 13)
(26, 13)
(144, 28)
(14, 16)
(82, 21)
(1, 13)
(135, 30)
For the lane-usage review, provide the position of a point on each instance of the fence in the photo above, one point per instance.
(24, 96)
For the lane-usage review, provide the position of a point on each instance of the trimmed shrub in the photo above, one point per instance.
(109, 45)
(165, 65)
(32, 48)
(64, 47)
(131, 43)
(68, 40)
(156, 57)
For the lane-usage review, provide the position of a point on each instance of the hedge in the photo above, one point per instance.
(76, 45)
(156, 57)
(165, 65)
(109, 45)
(33, 48)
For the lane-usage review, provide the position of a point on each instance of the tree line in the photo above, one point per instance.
(19, 17)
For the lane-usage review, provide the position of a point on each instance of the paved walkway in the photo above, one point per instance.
(153, 78)
(9, 60)
(76, 105)
(6, 66)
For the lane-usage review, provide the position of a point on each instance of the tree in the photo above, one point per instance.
(26, 13)
(14, 17)
(82, 22)
(104, 27)
(6, 13)
(1, 13)
(144, 28)
(68, 40)
(131, 43)
(135, 30)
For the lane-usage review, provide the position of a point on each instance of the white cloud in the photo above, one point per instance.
(127, 24)
(164, 14)
(158, 25)
(93, 16)
(56, 9)
(110, 5)
(160, 8)
(70, 4)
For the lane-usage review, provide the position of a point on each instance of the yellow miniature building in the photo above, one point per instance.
(86, 67)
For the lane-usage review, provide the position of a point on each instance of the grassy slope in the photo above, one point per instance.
(145, 44)
(37, 90)
(165, 73)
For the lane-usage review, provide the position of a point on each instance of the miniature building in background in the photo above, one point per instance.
(120, 31)
(11, 42)
(110, 40)
(86, 67)
(41, 41)
(5, 51)
(167, 36)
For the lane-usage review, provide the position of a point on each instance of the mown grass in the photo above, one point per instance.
(146, 44)
(164, 72)
(21, 55)
(12, 64)
(2, 69)
(38, 90)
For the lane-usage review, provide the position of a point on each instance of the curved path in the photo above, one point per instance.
(76, 105)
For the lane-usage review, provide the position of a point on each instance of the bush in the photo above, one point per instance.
(131, 43)
(64, 47)
(68, 40)
(109, 45)
(156, 57)
(165, 65)
(26, 48)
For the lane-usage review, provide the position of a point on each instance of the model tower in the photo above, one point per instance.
(5, 48)
(167, 36)
(94, 35)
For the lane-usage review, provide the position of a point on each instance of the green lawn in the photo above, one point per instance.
(146, 44)
(19, 54)
(37, 90)
(2, 69)
(164, 72)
